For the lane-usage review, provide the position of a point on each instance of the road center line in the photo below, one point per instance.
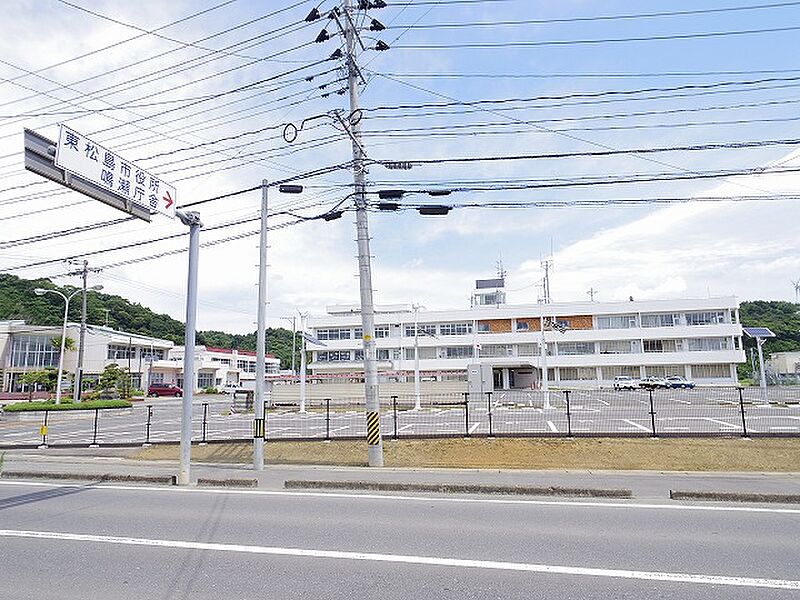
(781, 584)
(420, 498)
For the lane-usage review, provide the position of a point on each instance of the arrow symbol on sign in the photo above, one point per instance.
(168, 200)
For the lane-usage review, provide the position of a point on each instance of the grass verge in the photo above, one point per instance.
(66, 405)
(712, 454)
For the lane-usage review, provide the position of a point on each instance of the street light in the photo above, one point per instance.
(42, 292)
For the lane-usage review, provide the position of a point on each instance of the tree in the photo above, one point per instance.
(115, 378)
(69, 343)
(46, 378)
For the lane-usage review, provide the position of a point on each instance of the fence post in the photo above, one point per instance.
(147, 426)
(327, 419)
(652, 413)
(43, 430)
(569, 414)
(394, 412)
(466, 414)
(741, 407)
(204, 427)
(94, 443)
(489, 403)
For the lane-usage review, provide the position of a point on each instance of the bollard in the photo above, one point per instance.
(204, 428)
(741, 408)
(327, 419)
(569, 414)
(394, 412)
(147, 426)
(652, 414)
(94, 443)
(489, 404)
(43, 430)
(466, 414)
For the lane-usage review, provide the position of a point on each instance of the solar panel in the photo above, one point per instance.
(758, 332)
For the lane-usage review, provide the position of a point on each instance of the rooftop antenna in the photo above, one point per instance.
(501, 272)
(591, 293)
(547, 265)
(796, 285)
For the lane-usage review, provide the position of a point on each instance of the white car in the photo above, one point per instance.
(625, 382)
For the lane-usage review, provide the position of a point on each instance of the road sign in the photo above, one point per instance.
(84, 157)
(39, 153)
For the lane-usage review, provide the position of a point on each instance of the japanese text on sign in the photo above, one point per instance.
(79, 155)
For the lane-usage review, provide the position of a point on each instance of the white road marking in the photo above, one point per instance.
(693, 578)
(552, 427)
(603, 402)
(441, 499)
(404, 427)
(681, 401)
(474, 427)
(718, 422)
(637, 425)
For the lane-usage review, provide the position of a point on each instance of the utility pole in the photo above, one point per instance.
(417, 403)
(192, 221)
(303, 362)
(259, 426)
(78, 383)
(374, 441)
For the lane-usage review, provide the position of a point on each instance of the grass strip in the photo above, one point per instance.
(49, 405)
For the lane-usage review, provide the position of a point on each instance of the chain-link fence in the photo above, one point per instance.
(700, 412)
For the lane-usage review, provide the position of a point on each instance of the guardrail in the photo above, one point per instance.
(702, 412)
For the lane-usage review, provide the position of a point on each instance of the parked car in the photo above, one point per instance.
(676, 381)
(653, 383)
(624, 382)
(164, 389)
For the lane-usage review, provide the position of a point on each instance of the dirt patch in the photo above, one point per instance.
(734, 454)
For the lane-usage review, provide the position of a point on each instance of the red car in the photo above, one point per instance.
(164, 389)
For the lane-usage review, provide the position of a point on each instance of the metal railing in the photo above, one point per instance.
(701, 412)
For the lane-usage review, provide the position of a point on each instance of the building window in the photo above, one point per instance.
(495, 351)
(246, 366)
(662, 370)
(222, 361)
(382, 354)
(484, 328)
(614, 347)
(612, 371)
(662, 345)
(153, 353)
(705, 318)
(358, 355)
(575, 348)
(707, 344)
(33, 351)
(577, 373)
(381, 331)
(455, 329)
(338, 333)
(272, 368)
(429, 330)
(616, 322)
(333, 356)
(661, 320)
(710, 371)
(457, 352)
(523, 326)
(119, 351)
(205, 380)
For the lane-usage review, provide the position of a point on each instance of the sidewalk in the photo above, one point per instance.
(644, 485)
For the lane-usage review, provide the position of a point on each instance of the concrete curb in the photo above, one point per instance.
(735, 497)
(96, 477)
(230, 482)
(450, 488)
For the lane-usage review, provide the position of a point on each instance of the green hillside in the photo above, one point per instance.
(18, 301)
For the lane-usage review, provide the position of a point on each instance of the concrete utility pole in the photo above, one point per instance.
(192, 221)
(417, 399)
(374, 441)
(303, 362)
(78, 383)
(259, 429)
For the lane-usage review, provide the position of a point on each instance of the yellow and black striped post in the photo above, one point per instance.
(259, 430)
(373, 428)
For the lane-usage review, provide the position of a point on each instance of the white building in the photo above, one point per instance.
(26, 348)
(29, 348)
(588, 343)
(214, 367)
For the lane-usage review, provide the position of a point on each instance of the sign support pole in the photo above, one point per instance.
(191, 220)
(261, 335)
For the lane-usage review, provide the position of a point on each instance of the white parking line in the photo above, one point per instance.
(718, 422)
(552, 427)
(603, 402)
(474, 427)
(637, 425)
(692, 578)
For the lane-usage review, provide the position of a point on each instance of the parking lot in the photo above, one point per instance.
(698, 412)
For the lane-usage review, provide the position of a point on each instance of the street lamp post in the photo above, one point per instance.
(42, 292)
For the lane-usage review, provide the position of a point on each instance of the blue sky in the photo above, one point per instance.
(651, 251)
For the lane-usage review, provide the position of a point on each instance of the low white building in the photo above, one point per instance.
(784, 363)
(588, 343)
(213, 367)
(26, 348)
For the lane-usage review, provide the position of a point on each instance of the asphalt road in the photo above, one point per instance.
(677, 412)
(67, 541)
